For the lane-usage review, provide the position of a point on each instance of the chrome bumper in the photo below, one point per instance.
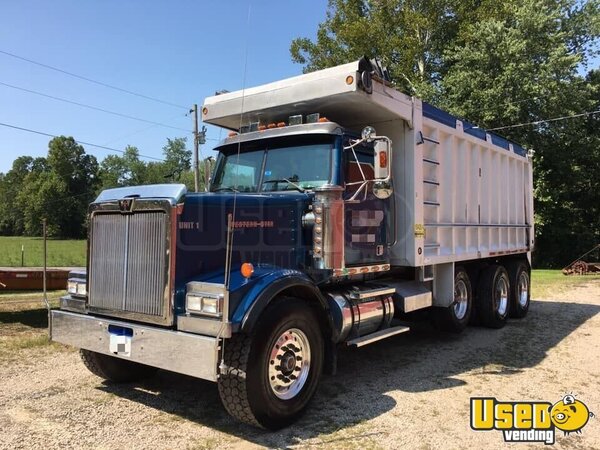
(176, 351)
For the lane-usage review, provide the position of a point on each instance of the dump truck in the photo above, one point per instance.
(338, 210)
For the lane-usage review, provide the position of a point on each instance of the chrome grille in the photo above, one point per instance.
(128, 263)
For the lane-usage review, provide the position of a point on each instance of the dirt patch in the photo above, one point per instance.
(411, 391)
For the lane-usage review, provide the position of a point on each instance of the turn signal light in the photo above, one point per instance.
(247, 270)
(383, 160)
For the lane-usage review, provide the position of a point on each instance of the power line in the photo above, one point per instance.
(537, 122)
(95, 108)
(110, 86)
(79, 142)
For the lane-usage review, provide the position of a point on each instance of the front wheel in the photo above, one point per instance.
(271, 376)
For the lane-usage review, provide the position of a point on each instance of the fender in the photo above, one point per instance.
(266, 289)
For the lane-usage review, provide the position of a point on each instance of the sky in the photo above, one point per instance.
(179, 51)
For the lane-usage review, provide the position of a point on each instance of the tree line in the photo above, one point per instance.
(508, 65)
(60, 186)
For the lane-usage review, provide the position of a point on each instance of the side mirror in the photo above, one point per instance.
(382, 160)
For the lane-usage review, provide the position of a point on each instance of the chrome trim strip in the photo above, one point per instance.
(359, 294)
(359, 270)
(174, 192)
(377, 336)
(289, 130)
(482, 225)
(70, 303)
(203, 325)
(185, 353)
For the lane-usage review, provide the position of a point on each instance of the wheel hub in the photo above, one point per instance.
(461, 301)
(501, 296)
(289, 364)
(523, 289)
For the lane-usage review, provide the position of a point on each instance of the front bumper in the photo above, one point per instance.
(185, 353)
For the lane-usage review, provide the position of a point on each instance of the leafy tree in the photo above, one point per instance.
(407, 35)
(126, 170)
(11, 185)
(177, 160)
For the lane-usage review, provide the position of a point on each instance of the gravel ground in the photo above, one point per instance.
(411, 391)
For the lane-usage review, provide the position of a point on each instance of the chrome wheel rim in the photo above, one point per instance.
(523, 289)
(289, 364)
(461, 300)
(501, 296)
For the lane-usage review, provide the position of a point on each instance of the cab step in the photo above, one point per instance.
(377, 336)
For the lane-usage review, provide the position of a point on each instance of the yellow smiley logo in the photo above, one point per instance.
(570, 415)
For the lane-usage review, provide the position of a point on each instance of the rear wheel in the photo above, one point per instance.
(115, 369)
(519, 277)
(493, 292)
(272, 375)
(455, 317)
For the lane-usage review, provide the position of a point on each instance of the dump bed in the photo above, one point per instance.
(460, 193)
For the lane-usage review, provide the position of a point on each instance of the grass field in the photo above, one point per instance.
(550, 283)
(61, 253)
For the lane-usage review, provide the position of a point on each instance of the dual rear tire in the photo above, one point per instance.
(501, 291)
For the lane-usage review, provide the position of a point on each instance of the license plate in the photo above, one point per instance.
(120, 344)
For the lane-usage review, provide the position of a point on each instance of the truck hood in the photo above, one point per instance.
(267, 230)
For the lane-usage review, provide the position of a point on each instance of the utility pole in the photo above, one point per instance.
(196, 144)
(201, 141)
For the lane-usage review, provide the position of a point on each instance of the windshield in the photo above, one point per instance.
(270, 167)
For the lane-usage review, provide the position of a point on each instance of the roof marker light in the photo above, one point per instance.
(312, 118)
(295, 120)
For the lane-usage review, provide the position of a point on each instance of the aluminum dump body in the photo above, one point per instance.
(460, 193)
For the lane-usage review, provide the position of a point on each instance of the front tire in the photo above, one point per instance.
(115, 369)
(493, 291)
(455, 317)
(272, 375)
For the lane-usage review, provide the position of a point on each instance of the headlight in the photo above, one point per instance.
(81, 289)
(201, 304)
(72, 287)
(77, 287)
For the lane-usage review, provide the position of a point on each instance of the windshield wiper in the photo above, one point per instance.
(225, 188)
(281, 180)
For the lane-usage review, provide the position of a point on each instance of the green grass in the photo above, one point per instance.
(24, 323)
(61, 253)
(549, 283)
